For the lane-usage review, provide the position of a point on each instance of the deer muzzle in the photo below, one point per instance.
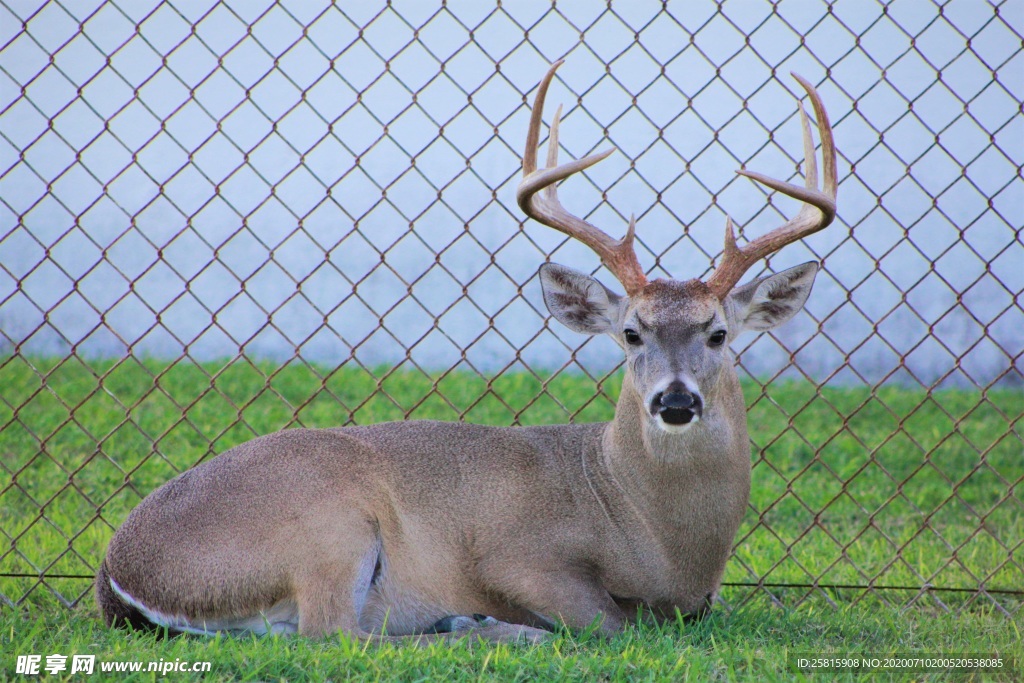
(677, 406)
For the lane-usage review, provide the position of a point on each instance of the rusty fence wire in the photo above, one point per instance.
(220, 219)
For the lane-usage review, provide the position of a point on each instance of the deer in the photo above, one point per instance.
(427, 531)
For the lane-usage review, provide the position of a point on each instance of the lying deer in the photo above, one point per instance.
(413, 530)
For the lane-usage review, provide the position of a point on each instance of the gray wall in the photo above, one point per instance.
(157, 164)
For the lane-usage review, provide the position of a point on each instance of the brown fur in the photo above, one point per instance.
(530, 525)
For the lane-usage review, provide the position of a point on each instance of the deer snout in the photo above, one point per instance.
(677, 405)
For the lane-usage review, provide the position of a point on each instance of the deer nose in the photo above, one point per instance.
(677, 405)
(677, 399)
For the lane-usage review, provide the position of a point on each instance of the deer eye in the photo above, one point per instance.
(632, 338)
(717, 339)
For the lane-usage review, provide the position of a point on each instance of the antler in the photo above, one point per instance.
(617, 255)
(817, 212)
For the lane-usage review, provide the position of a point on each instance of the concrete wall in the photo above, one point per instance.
(296, 180)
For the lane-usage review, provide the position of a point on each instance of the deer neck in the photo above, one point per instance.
(654, 466)
(684, 492)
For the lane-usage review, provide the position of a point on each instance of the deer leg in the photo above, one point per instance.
(498, 632)
(325, 607)
(576, 600)
(450, 629)
(456, 627)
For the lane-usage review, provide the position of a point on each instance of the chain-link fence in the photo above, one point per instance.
(221, 219)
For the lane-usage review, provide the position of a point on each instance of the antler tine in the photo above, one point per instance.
(617, 255)
(818, 210)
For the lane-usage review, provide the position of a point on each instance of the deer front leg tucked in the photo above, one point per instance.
(573, 598)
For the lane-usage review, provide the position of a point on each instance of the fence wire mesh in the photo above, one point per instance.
(223, 219)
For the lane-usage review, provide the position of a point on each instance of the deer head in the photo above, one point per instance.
(676, 333)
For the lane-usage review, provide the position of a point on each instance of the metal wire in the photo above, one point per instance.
(167, 174)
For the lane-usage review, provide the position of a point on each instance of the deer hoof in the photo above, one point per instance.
(452, 623)
(501, 632)
(487, 628)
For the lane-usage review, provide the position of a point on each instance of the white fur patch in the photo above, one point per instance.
(364, 574)
(283, 617)
(675, 429)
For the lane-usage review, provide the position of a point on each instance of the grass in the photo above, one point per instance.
(746, 644)
(893, 486)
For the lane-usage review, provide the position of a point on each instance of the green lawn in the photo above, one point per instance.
(892, 487)
(750, 643)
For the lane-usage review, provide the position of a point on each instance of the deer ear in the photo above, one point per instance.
(577, 300)
(770, 301)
